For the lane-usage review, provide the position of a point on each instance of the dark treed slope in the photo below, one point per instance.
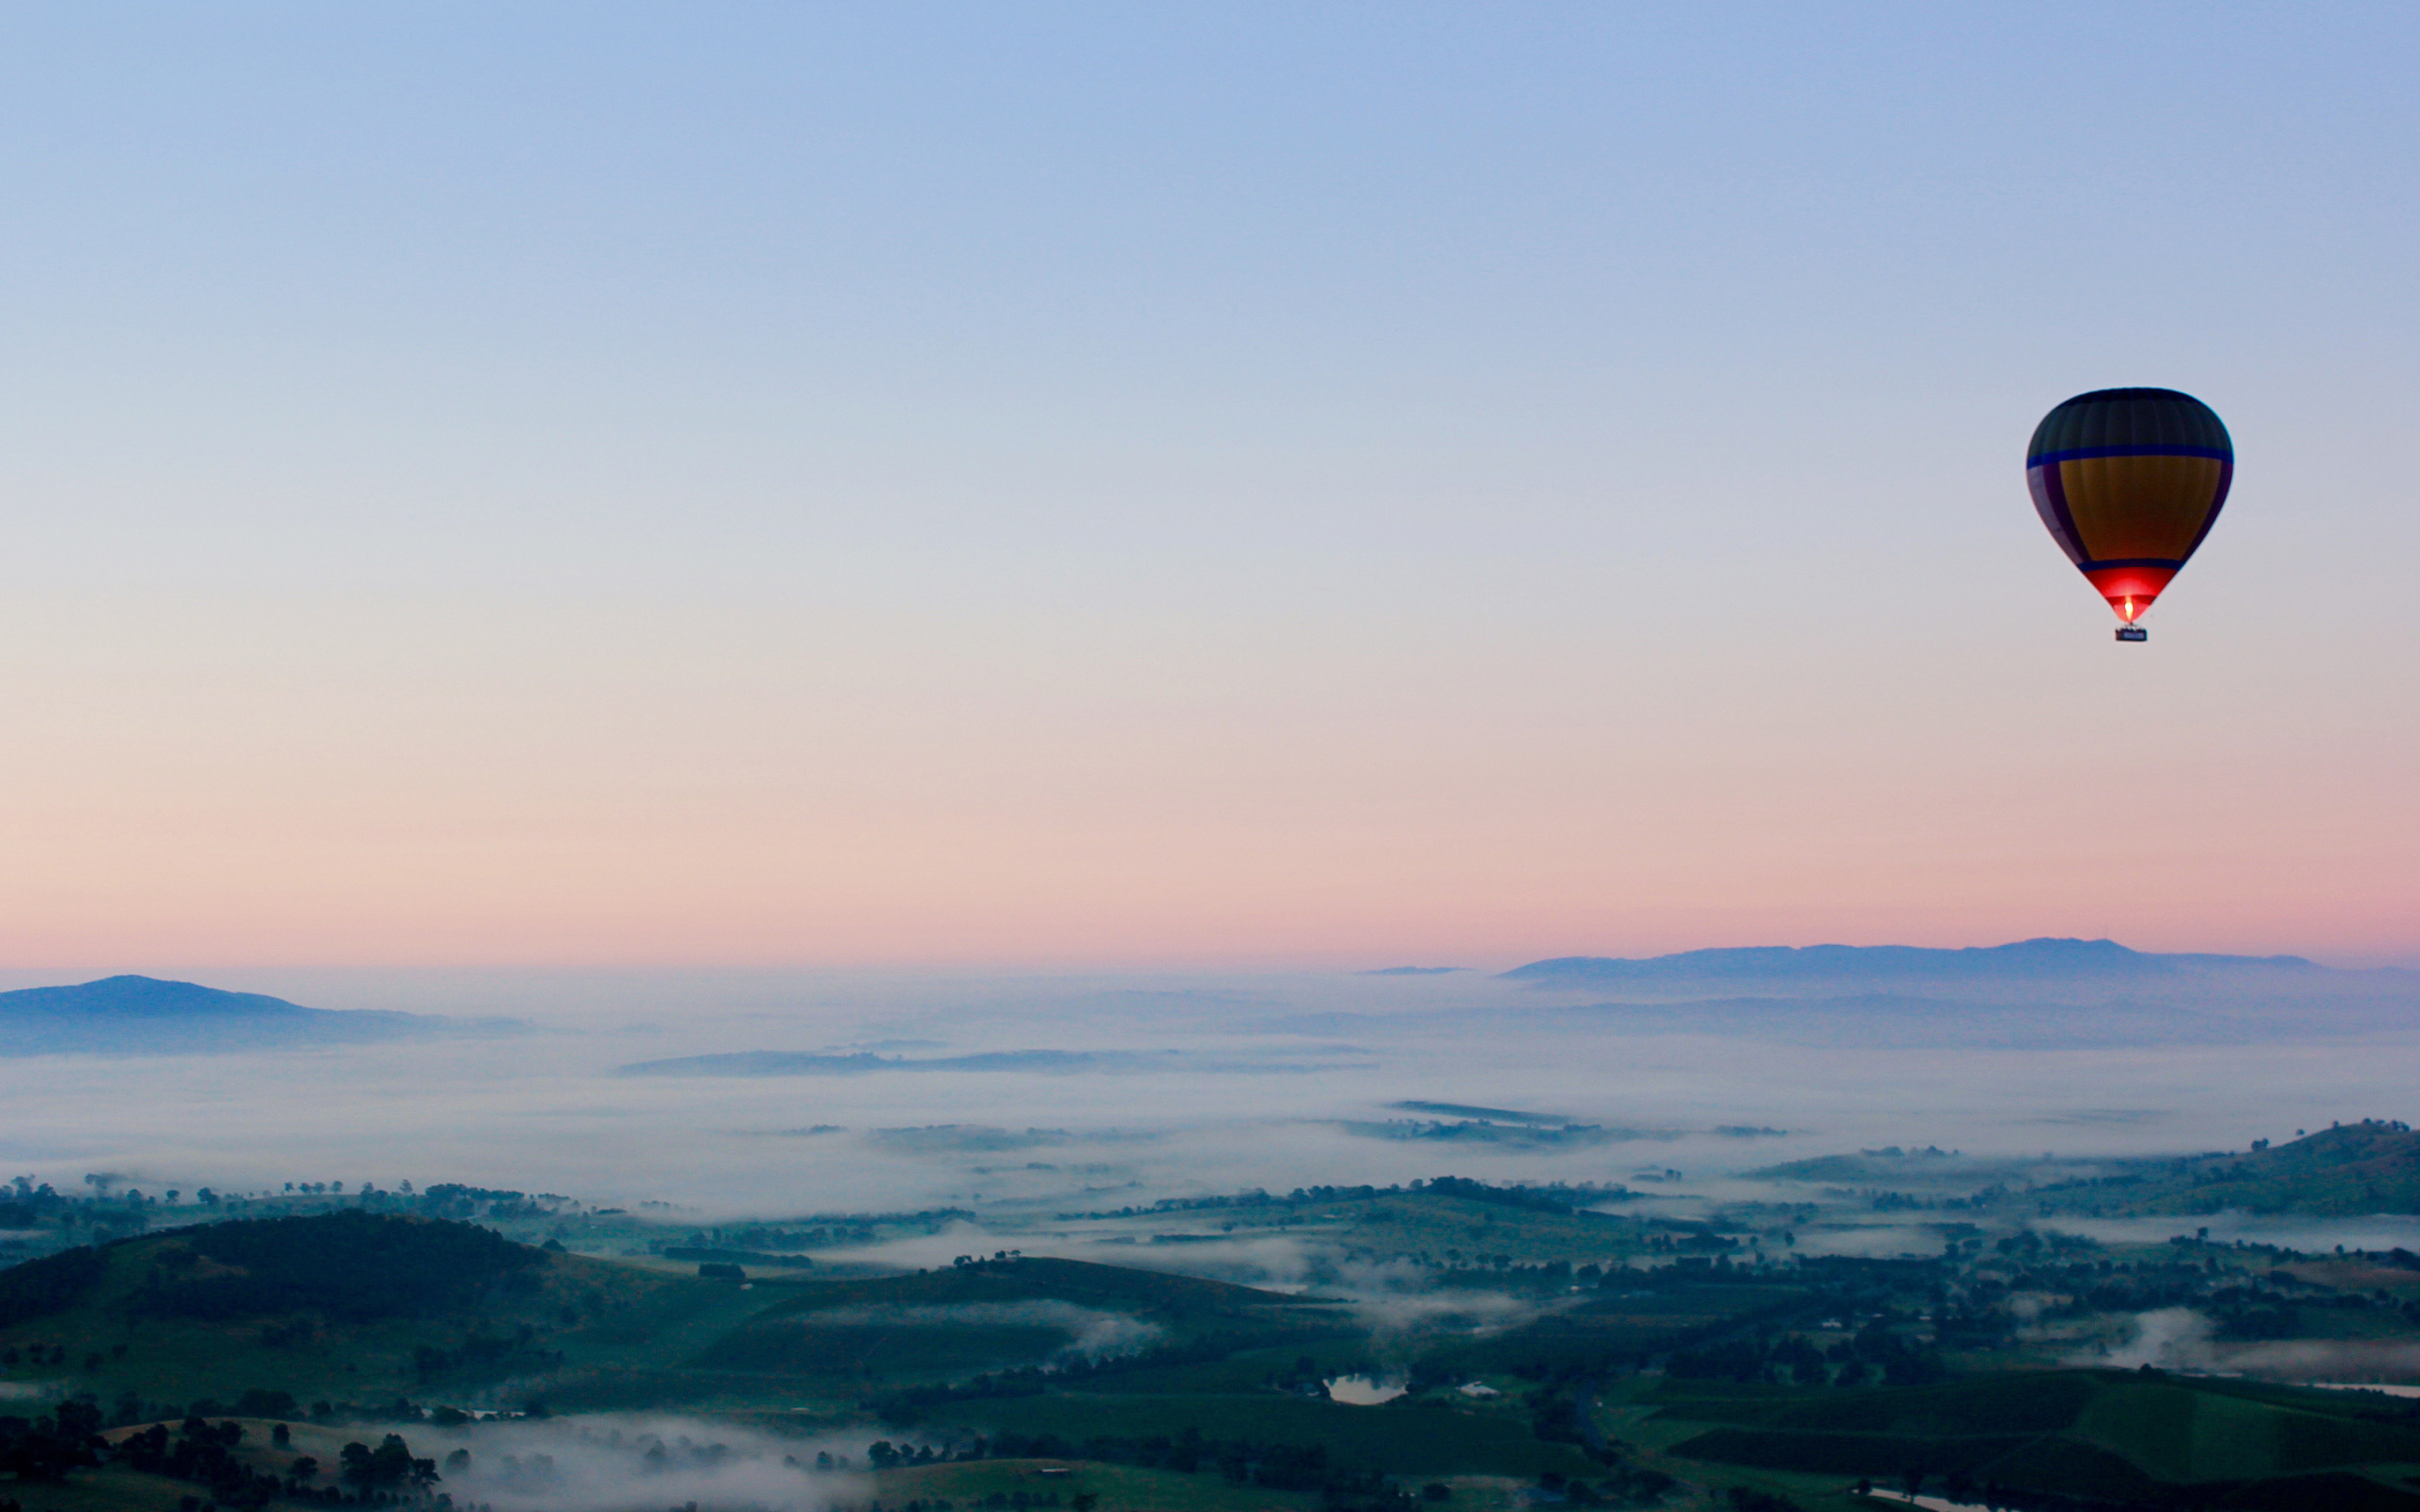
(344, 1305)
(355, 1266)
(139, 1015)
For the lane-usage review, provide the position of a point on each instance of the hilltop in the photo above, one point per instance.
(142, 1015)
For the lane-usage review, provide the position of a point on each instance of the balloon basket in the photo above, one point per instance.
(2132, 632)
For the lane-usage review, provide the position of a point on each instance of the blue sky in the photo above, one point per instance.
(1075, 483)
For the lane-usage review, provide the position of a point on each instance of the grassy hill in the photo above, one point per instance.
(365, 1307)
(348, 1306)
(991, 1316)
(2355, 1168)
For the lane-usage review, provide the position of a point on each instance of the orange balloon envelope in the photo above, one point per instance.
(2129, 480)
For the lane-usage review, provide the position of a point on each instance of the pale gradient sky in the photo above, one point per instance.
(1217, 484)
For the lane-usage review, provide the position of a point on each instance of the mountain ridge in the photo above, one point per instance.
(2044, 962)
(129, 1014)
(2041, 956)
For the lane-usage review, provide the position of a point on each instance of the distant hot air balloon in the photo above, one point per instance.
(2129, 480)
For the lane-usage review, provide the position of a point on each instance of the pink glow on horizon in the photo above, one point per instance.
(741, 786)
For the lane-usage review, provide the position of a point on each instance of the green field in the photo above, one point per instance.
(2137, 1436)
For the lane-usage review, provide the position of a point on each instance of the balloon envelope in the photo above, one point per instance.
(2129, 480)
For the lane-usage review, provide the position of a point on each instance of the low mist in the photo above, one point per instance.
(1621, 1098)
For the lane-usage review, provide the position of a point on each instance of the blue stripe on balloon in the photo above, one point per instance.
(2046, 458)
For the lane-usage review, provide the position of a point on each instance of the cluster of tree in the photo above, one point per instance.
(2121, 1286)
(1499, 1273)
(35, 1355)
(1627, 1485)
(1558, 1197)
(203, 1453)
(390, 1465)
(1018, 1501)
(24, 1204)
(1080, 1502)
(1278, 1466)
(1699, 1241)
(769, 1238)
(481, 1350)
(1873, 1355)
(355, 1265)
(452, 1199)
(900, 1408)
(46, 1448)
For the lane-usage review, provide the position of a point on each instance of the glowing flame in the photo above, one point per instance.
(2129, 611)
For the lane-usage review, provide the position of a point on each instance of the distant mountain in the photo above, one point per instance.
(142, 1015)
(2031, 964)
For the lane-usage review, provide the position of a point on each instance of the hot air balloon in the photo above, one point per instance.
(2129, 480)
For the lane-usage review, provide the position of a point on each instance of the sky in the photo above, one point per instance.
(1077, 486)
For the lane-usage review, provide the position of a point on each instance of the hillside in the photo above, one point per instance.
(346, 1306)
(365, 1307)
(2353, 1169)
(142, 1015)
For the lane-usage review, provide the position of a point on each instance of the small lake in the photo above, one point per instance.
(1360, 1391)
